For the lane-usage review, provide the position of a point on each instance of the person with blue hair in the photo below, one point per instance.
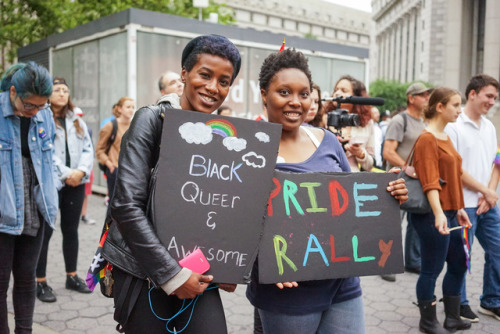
(28, 184)
(210, 64)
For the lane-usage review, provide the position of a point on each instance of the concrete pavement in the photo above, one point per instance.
(388, 306)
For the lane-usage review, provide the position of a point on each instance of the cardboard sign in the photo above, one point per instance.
(331, 225)
(214, 179)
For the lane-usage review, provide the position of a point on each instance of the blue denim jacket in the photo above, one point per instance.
(81, 151)
(40, 140)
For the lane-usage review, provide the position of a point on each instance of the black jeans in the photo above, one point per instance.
(208, 315)
(19, 254)
(70, 204)
(110, 180)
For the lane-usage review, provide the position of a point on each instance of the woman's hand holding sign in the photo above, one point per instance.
(397, 188)
(194, 286)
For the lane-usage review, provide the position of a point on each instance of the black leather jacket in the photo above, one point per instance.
(132, 243)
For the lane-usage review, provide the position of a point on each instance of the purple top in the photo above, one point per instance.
(309, 296)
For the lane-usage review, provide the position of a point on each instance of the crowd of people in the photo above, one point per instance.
(453, 153)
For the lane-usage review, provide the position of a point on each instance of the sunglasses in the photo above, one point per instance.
(29, 106)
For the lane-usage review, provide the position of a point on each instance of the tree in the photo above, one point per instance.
(25, 22)
(392, 91)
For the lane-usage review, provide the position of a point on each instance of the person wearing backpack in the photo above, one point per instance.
(110, 138)
(402, 132)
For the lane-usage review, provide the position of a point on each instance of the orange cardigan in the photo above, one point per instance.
(435, 158)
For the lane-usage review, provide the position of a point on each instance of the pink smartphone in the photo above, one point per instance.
(196, 261)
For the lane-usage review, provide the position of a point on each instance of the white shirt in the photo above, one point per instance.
(378, 138)
(478, 148)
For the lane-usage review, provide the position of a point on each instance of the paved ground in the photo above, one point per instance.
(388, 306)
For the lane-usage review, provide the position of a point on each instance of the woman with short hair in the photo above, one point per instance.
(210, 64)
(319, 306)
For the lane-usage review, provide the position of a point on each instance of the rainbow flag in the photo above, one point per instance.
(98, 267)
(282, 45)
(465, 242)
(497, 157)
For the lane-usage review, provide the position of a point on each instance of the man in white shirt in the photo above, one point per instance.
(474, 138)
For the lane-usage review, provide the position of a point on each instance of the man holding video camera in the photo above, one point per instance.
(402, 132)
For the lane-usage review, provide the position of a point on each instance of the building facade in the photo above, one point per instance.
(315, 19)
(444, 42)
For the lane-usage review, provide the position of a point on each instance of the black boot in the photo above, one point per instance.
(428, 320)
(453, 322)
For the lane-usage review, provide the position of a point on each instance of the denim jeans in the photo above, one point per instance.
(412, 246)
(436, 249)
(341, 318)
(19, 254)
(486, 228)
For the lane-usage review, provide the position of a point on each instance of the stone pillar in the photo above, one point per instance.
(492, 39)
(418, 44)
(392, 49)
(411, 48)
(404, 49)
(397, 60)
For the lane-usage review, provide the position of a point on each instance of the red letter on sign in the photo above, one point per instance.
(273, 194)
(332, 252)
(334, 188)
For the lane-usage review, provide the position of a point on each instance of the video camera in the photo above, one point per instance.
(340, 118)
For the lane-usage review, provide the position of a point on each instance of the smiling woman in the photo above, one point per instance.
(206, 83)
(322, 306)
(209, 65)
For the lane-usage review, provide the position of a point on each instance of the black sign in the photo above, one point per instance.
(330, 225)
(214, 179)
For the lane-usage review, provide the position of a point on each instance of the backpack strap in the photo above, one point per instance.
(113, 132)
(111, 139)
(403, 114)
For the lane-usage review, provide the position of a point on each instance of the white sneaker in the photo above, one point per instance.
(88, 221)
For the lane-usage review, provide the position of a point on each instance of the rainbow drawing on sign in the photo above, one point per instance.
(222, 127)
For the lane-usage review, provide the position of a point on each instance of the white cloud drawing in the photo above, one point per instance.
(197, 133)
(263, 137)
(234, 143)
(252, 159)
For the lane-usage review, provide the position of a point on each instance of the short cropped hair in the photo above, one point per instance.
(275, 62)
(161, 84)
(214, 45)
(480, 81)
(28, 79)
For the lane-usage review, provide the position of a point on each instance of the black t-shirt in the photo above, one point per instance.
(62, 121)
(25, 128)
